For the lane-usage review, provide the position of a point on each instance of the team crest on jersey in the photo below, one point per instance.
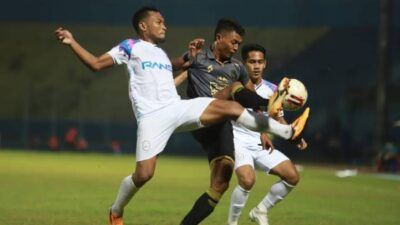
(221, 83)
(145, 145)
(223, 80)
(210, 69)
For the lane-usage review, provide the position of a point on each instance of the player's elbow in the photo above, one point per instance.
(95, 67)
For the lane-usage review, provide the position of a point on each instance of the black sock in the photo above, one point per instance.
(250, 99)
(202, 208)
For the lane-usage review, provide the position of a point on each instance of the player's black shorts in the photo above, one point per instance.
(216, 140)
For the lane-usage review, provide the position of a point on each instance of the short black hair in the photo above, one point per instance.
(228, 25)
(252, 47)
(140, 15)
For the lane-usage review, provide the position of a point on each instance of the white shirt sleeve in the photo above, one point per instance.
(122, 52)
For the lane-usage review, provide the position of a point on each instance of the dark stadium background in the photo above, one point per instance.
(331, 45)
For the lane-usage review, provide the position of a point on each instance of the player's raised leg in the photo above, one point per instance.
(219, 110)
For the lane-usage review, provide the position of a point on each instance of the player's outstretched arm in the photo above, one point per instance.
(92, 62)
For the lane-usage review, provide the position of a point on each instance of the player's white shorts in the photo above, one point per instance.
(156, 128)
(257, 158)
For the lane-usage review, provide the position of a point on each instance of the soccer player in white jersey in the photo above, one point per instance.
(251, 150)
(158, 108)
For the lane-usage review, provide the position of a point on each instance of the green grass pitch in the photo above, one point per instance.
(77, 189)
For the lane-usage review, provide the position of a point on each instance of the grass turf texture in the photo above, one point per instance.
(71, 189)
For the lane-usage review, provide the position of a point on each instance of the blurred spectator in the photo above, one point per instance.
(35, 142)
(388, 159)
(70, 137)
(81, 144)
(53, 143)
(115, 147)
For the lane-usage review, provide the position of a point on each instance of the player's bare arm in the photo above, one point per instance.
(266, 142)
(92, 62)
(180, 78)
(302, 145)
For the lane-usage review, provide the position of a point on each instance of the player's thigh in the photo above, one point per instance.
(224, 146)
(216, 141)
(220, 110)
(243, 156)
(188, 113)
(266, 160)
(287, 171)
(244, 165)
(153, 133)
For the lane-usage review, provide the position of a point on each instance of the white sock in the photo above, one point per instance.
(262, 123)
(126, 191)
(277, 192)
(238, 201)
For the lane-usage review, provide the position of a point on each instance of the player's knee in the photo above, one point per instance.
(292, 178)
(142, 177)
(221, 183)
(222, 171)
(220, 186)
(246, 182)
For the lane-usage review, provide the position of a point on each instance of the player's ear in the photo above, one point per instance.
(265, 64)
(142, 26)
(218, 37)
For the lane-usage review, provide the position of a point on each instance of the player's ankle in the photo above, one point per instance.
(117, 211)
(261, 207)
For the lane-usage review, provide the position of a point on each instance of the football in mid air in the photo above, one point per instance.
(296, 96)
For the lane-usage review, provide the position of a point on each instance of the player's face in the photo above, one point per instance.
(155, 28)
(255, 65)
(228, 43)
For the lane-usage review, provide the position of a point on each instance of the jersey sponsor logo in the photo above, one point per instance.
(156, 65)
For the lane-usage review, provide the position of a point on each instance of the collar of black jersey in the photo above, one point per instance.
(210, 55)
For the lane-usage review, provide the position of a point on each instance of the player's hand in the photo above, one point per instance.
(302, 144)
(195, 46)
(64, 36)
(266, 142)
